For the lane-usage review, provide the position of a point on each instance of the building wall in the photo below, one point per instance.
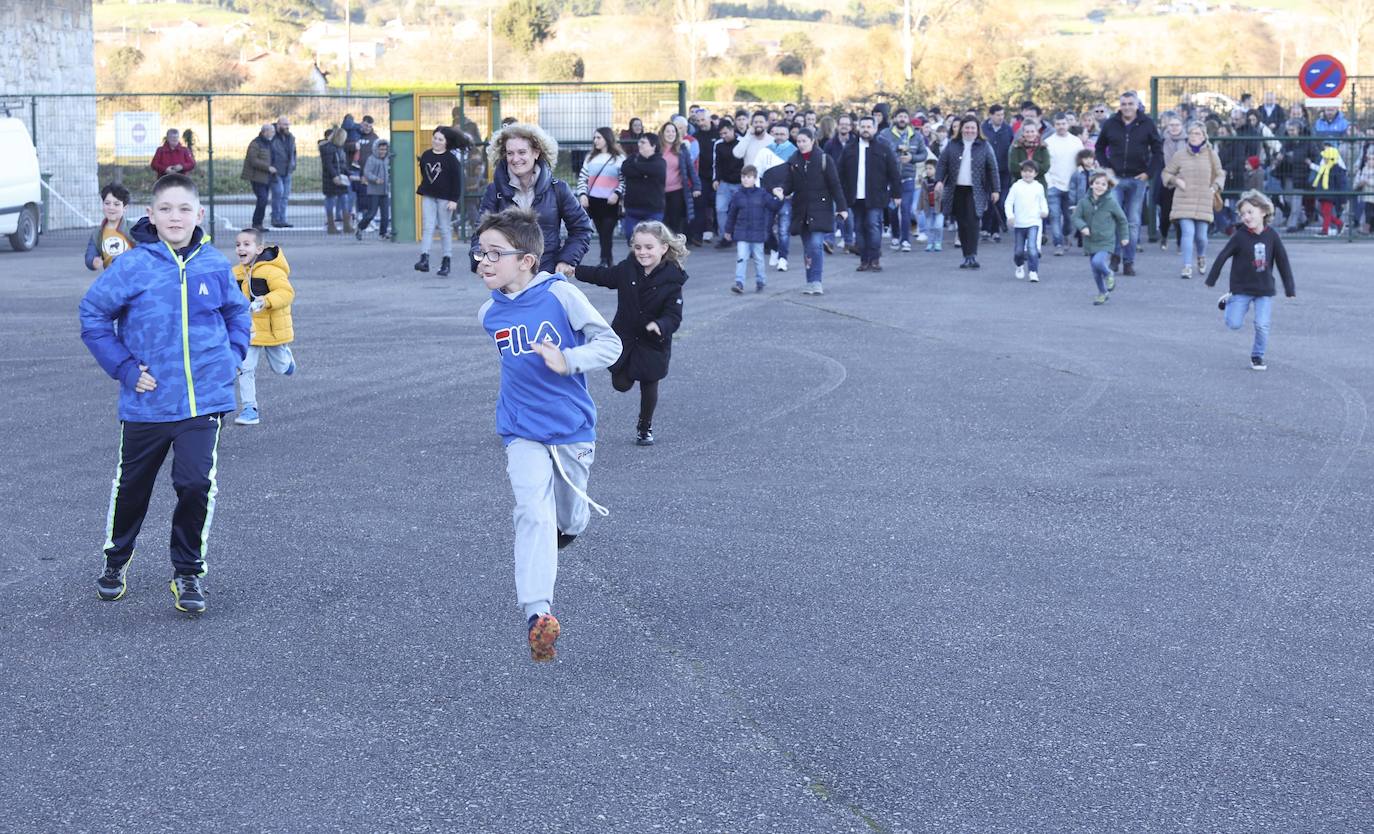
(48, 46)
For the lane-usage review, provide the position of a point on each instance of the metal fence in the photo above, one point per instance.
(1221, 94)
(87, 140)
(568, 111)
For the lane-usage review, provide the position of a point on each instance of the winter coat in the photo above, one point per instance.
(269, 278)
(258, 161)
(555, 205)
(813, 185)
(644, 183)
(1000, 138)
(836, 148)
(1078, 186)
(284, 153)
(350, 129)
(913, 141)
(1018, 153)
(1335, 127)
(1296, 154)
(1275, 120)
(882, 174)
(333, 163)
(642, 299)
(984, 169)
(1200, 172)
(727, 166)
(167, 156)
(108, 245)
(1232, 156)
(1104, 220)
(180, 315)
(1130, 149)
(377, 175)
(750, 214)
(441, 176)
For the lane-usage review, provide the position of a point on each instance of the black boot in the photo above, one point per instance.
(422, 265)
(443, 266)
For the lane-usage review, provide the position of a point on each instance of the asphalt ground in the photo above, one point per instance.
(937, 551)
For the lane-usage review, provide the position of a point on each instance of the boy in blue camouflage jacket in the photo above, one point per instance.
(167, 321)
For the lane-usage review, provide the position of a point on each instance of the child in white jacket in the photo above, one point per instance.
(1026, 210)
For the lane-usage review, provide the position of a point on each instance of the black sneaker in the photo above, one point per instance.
(188, 594)
(564, 539)
(645, 438)
(1257, 364)
(113, 583)
(1221, 302)
(737, 289)
(973, 264)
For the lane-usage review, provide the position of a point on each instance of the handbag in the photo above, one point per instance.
(1217, 203)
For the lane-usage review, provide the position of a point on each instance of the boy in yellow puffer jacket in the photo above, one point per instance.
(264, 277)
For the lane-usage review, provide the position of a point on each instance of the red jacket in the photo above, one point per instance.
(166, 157)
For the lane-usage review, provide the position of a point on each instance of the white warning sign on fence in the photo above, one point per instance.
(137, 134)
(573, 117)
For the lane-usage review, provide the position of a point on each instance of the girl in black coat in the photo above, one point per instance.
(649, 310)
(813, 183)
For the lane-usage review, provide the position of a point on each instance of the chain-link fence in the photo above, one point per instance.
(1220, 95)
(569, 111)
(85, 141)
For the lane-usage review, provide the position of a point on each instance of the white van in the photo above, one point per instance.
(20, 189)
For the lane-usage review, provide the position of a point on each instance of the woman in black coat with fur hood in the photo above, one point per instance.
(648, 312)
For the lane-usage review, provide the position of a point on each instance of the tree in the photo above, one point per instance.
(1354, 18)
(799, 46)
(526, 23)
(121, 65)
(562, 66)
(690, 14)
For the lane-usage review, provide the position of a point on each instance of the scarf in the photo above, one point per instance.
(1197, 148)
(1322, 180)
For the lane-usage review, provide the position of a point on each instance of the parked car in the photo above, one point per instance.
(21, 191)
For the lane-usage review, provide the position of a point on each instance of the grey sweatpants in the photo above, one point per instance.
(544, 504)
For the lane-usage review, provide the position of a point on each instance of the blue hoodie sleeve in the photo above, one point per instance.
(579, 225)
(100, 308)
(238, 321)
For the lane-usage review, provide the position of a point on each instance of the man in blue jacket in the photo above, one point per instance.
(999, 136)
(169, 323)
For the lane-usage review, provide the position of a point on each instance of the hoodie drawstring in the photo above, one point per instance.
(602, 511)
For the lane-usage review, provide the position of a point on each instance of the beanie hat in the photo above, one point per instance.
(1252, 161)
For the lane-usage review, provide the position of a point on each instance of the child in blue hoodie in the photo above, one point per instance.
(167, 320)
(548, 336)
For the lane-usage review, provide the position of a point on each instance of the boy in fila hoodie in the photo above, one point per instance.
(548, 336)
(167, 321)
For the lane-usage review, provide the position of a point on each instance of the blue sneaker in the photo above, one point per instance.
(939, 247)
(290, 369)
(248, 416)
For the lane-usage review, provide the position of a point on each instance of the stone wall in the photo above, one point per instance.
(48, 46)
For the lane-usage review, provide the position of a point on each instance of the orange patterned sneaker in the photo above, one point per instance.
(544, 631)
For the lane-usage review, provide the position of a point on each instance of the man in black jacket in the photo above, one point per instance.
(706, 135)
(1130, 149)
(726, 169)
(872, 181)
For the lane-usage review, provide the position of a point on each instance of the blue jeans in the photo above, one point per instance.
(815, 256)
(1101, 266)
(281, 192)
(1192, 238)
(784, 233)
(1235, 318)
(723, 195)
(869, 230)
(905, 209)
(377, 203)
(634, 217)
(744, 253)
(1059, 214)
(1026, 246)
(934, 223)
(260, 195)
(334, 206)
(1130, 193)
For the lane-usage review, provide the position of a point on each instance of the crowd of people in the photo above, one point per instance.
(871, 183)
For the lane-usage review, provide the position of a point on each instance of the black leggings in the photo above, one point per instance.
(605, 217)
(675, 211)
(648, 396)
(966, 216)
(1166, 205)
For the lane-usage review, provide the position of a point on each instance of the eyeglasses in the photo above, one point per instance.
(491, 256)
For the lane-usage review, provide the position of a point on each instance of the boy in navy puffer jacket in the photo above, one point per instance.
(751, 214)
(167, 320)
